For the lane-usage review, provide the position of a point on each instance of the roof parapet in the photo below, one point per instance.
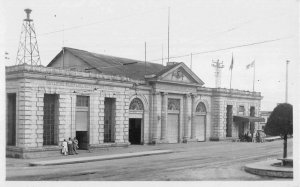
(65, 72)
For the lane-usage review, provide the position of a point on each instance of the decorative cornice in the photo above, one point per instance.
(47, 71)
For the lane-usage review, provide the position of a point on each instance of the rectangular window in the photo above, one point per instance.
(241, 110)
(82, 101)
(229, 120)
(50, 118)
(252, 111)
(109, 119)
(11, 119)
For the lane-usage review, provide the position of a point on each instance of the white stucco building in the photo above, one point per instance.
(111, 101)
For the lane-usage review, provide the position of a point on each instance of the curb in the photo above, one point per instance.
(274, 138)
(98, 158)
(265, 168)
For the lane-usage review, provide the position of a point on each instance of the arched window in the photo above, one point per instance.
(201, 108)
(136, 104)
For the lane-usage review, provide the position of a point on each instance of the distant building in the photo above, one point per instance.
(112, 101)
(265, 115)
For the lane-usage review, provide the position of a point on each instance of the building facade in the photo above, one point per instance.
(110, 101)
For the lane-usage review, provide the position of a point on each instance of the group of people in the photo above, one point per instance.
(69, 147)
(258, 137)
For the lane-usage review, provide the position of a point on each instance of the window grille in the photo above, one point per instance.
(49, 120)
(109, 119)
(11, 119)
(241, 110)
(136, 104)
(201, 108)
(82, 101)
(173, 104)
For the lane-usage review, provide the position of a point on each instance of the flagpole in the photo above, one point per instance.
(231, 70)
(253, 75)
(230, 77)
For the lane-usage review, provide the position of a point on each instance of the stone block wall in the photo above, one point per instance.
(95, 119)
(30, 112)
(235, 102)
(99, 135)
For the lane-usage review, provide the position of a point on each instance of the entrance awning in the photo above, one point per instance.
(248, 119)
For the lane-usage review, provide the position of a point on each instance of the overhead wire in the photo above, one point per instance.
(96, 22)
(223, 49)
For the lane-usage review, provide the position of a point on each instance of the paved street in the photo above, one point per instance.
(192, 161)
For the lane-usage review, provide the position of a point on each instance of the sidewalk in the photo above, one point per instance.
(269, 168)
(99, 154)
(97, 158)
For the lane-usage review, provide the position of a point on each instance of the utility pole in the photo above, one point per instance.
(218, 67)
(286, 81)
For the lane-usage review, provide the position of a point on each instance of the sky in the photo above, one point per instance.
(265, 31)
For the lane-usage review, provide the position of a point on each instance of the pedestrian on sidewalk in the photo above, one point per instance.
(70, 147)
(75, 145)
(64, 149)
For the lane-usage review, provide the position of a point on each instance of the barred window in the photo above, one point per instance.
(82, 101)
(173, 104)
(136, 104)
(50, 127)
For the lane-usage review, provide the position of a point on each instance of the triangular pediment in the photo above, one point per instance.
(180, 74)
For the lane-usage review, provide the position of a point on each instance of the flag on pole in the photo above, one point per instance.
(250, 65)
(231, 65)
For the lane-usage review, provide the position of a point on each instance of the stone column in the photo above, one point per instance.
(193, 125)
(164, 116)
(187, 116)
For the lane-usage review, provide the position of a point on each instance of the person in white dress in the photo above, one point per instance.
(64, 149)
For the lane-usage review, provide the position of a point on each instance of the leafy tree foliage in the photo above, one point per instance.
(280, 122)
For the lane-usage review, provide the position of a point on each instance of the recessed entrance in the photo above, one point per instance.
(83, 141)
(82, 121)
(135, 130)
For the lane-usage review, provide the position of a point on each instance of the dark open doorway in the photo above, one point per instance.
(135, 130)
(83, 141)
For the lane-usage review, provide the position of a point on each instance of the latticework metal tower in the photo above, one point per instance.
(28, 51)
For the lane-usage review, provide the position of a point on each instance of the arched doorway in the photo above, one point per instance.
(136, 111)
(200, 120)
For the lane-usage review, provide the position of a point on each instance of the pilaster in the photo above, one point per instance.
(156, 118)
(187, 117)
(164, 116)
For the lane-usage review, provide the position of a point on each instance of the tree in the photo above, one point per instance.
(280, 123)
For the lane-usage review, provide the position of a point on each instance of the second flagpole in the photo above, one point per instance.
(253, 75)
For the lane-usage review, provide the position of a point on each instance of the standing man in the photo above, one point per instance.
(75, 145)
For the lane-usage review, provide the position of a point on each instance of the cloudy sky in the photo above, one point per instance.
(260, 30)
